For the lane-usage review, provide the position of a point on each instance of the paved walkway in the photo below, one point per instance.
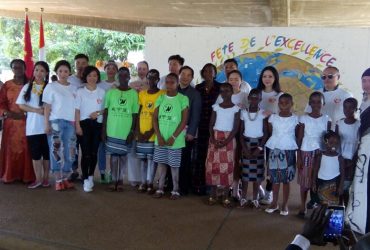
(46, 219)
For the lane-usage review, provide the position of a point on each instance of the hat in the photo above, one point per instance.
(366, 73)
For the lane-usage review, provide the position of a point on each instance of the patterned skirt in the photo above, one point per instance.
(115, 146)
(220, 161)
(282, 165)
(144, 150)
(327, 191)
(305, 173)
(253, 167)
(168, 156)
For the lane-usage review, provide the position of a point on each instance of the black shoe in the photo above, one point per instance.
(73, 177)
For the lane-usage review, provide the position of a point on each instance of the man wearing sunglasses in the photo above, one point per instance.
(334, 95)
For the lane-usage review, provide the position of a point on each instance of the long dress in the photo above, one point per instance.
(15, 158)
(358, 210)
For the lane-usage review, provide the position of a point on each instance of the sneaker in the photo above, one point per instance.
(284, 213)
(267, 200)
(311, 205)
(271, 210)
(73, 176)
(34, 185)
(59, 185)
(261, 193)
(87, 186)
(67, 184)
(45, 184)
(256, 204)
(91, 181)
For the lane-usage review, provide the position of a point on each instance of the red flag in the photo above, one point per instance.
(42, 56)
(28, 49)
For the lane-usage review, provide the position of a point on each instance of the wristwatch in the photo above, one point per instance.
(260, 148)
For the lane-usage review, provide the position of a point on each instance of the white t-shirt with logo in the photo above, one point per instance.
(35, 122)
(89, 101)
(75, 81)
(270, 101)
(62, 100)
(107, 85)
(240, 99)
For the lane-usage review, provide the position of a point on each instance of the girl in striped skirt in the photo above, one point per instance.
(252, 138)
(169, 121)
(223, 127)
(145, 131)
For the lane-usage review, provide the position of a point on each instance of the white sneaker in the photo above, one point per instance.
(87, 186)
(267, 200)
(91, 181)
(261, 193)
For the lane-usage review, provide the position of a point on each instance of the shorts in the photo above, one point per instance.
(39, 147)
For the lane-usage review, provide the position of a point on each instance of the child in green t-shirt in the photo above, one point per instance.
(169, 121)
(121, 109)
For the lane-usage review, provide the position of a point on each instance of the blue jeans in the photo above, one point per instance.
(101, 158)
(62, 143)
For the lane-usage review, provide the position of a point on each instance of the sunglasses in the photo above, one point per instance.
(330, 76)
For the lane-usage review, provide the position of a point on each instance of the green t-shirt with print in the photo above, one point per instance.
(121, 106)
(169, 117)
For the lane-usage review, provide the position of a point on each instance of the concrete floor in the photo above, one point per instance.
(46, 219)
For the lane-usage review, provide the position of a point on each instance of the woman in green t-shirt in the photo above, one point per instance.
(169, 121)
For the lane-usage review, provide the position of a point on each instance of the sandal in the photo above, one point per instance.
(158, 194)
(112, 188)
(142, 188)
(119, 188)
(211, 201)
(227, 203)
(175, 195)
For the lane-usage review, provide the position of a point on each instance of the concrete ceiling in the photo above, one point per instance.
(134, 16)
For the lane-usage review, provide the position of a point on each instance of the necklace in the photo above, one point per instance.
(255, 117)
(36, 91)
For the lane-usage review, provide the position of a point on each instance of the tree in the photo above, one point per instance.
(65, 41)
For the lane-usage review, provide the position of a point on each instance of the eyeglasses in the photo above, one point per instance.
(330, 76)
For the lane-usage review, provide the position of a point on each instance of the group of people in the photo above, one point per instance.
(213, 138)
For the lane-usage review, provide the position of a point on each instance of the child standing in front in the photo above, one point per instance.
(169, 121)
(282, 155)
(145, 131)
(240, 99)
(348, 128)
(120, 115)
(311, 128)
(253, 135)
(329, 171)
(220, 162)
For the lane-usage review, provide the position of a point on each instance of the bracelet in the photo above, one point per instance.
(5, 114)
(173, 137)
(260, 148)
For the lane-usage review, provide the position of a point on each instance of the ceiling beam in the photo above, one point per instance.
(280, 12)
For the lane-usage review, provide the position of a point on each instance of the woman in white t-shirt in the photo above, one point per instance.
(89, 118)
(59, 99)
(269, 84)
(30, 101)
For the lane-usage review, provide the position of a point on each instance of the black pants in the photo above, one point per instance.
(186, 167)
(89, 141)
(199, 171)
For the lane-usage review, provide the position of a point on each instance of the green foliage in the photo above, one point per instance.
(65, 41)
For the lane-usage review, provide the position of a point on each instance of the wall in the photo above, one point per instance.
(299, 54)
